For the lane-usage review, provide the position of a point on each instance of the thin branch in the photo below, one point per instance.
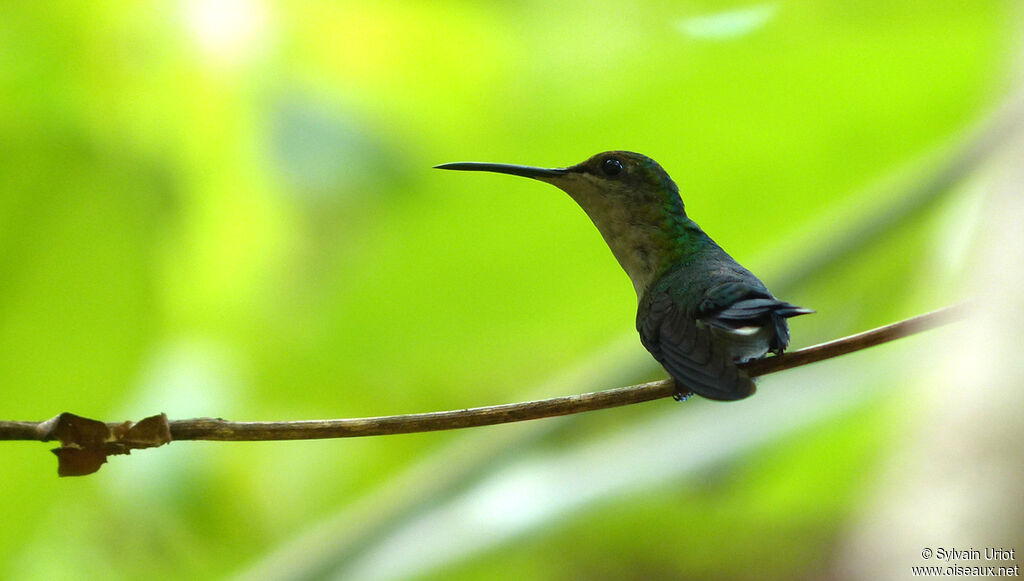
(224, 430)
(22, 431)
(216, 429)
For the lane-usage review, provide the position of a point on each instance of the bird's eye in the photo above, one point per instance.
(611, 166)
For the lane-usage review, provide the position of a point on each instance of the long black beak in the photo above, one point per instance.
(525, 171)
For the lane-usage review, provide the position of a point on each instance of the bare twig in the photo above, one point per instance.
(217, 429)
(86, 443)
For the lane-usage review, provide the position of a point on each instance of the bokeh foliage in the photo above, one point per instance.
(225, 208)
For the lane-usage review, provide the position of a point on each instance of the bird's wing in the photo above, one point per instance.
(736, 305)
(691, 355)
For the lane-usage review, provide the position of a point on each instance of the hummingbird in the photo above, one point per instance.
(699, 312)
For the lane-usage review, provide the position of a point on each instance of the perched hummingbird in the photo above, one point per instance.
(700, 312)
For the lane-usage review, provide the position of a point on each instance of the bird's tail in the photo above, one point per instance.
(781, 311)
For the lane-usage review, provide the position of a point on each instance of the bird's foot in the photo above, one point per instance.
(682, 395)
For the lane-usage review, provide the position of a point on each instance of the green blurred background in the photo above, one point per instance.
(226, 208)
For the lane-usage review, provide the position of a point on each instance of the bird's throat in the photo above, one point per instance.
(647, 230)
(643, 239)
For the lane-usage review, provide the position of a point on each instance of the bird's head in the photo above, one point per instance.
(628, 196)
(605, 181)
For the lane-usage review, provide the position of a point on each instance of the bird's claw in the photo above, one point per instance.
(682, 395)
